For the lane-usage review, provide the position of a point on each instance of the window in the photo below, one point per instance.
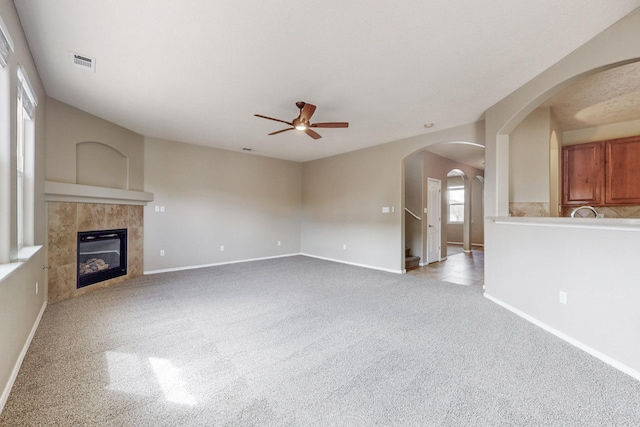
(25, 141)
(456, 204)
(6, 201)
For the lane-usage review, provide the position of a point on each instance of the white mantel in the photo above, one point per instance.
(65, 192)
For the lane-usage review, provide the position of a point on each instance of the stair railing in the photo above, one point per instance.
(412, 214)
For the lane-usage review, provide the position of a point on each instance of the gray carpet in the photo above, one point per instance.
(304, 342)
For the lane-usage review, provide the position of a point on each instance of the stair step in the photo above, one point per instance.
(411, 262)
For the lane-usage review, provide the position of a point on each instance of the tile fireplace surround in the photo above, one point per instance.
(72, 208)
(65, 220)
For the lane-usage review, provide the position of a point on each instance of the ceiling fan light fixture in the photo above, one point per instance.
(303, 123)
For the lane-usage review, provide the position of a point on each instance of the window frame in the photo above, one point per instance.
(450, 203)
(26, 104)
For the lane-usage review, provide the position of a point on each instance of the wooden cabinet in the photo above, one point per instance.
(622, 175)
(582, 174)
(602, 173)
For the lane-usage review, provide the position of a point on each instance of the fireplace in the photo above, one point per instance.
(102, 255)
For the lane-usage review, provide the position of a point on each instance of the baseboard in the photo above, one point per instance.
(16, 368)
(371, 267)
(193, 267)
(595, 353)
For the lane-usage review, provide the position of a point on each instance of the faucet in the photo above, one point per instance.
(591, 208)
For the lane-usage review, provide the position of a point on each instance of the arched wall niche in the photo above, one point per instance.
(101, 165)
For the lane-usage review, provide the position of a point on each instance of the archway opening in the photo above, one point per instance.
(422, 170)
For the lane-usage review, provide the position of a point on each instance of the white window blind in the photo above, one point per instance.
(6, 44)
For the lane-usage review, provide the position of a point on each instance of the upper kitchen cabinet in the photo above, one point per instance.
(622, 177)
(602, 173)
(582, 174)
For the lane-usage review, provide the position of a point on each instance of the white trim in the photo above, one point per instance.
(595, 353)
(6, 34)
(26, 84)
(16, 368)
(26, 252)
(193, 267)
(78, 193)
(371, 267)
(622, 224)
(7, 269)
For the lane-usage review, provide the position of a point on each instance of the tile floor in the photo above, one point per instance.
(462, 268)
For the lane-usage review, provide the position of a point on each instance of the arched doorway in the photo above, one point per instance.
(427, 166)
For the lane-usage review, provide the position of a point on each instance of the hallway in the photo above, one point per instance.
(462, 268)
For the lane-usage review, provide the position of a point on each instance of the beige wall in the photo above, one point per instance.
(215, 198)
(555, 168)
(20, 305)
(601, 133)
(527, 263)
(413, 194)
(477, 210)
(529, 165)
(67, 126)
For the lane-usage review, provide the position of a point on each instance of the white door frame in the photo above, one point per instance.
(433, 230)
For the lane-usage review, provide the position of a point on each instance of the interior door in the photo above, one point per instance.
(434, 210)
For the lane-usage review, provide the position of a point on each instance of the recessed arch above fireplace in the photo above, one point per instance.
(101, 165)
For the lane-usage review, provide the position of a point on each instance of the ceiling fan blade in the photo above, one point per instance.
(280, 131)
(306, 112)
(312, 133)
(271, 118)
(331, 125)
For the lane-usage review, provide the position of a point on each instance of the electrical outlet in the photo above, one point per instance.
(279, 243)
(344, 246)
(157, 208)
(562, 297)
(161, 252)
(161, 208)
(222, 248)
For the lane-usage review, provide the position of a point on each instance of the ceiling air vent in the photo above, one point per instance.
(84, 62)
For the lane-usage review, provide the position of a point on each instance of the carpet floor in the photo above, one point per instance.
(304, 342)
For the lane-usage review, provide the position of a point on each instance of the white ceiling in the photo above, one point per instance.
(197, 70)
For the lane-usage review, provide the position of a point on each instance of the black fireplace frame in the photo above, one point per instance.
(110, 273)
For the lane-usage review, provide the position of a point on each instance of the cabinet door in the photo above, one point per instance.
(582, 174)
(622, 157)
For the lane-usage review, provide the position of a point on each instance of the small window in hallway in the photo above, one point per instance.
(456, 204)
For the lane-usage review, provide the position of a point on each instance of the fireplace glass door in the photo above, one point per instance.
(102, 255)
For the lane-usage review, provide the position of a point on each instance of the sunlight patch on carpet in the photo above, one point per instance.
(173, 387)
(141, 376)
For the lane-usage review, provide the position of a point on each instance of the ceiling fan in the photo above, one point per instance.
(302, 122)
